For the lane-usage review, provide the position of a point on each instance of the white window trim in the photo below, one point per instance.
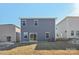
(73, 33)
(33, 33)
(76, 34)
(34, 22)
(24, 21)
(23, 35)
(45, 35)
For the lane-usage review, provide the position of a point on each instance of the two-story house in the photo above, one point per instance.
(37, 29)
(68, 28)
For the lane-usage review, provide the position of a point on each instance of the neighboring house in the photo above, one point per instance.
(68, 28)
(9, 33)
(37, 29)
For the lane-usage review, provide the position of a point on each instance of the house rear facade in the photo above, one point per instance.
(9, 33)
(37, 29)
(68, 28)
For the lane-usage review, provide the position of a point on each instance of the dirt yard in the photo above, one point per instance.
(30, 50)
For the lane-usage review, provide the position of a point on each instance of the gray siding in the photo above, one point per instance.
(44, 25)
(8, 30)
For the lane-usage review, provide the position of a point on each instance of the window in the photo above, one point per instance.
(72, 33)
(8, 38)
(47, 35)
(35, 22)
(77, 33)
(65, 31)
(25, 34)
(33, 36)
(57, 35)
(56, 28)
(24, 23)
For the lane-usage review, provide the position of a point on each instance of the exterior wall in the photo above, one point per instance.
(44, 25)
(61, 28)
(73, 24)
(18, 34)
(69, 23)
(7, 30)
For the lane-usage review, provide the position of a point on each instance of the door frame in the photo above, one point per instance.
(33, 33)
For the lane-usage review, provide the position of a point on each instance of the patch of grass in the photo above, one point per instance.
(30, 50)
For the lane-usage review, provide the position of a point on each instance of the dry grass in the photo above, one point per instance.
(29, 50)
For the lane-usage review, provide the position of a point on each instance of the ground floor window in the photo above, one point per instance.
(8, 38)
(72, 33)
(47, 35)
(77, 33)
(25, 35)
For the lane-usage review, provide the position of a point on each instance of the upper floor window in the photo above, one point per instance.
(72, 33)
(23, 23)
(35, 22)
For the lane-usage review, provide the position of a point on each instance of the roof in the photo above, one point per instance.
(66, 18)
(31, 18)
(9, 24)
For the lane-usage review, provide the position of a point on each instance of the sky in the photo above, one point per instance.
(11, 13)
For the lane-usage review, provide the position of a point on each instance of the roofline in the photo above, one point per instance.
(37, 18)
(10, 24)
(16, 26)
(62, 20)
(66, 18)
